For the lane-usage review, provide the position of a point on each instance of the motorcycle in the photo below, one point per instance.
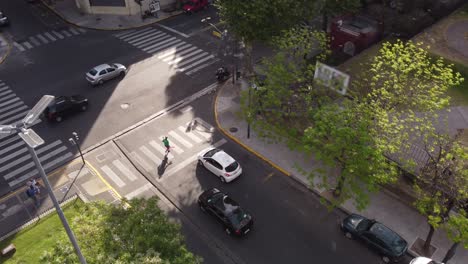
(222, 74)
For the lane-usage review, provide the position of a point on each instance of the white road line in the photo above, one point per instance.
(180, 139)
(201, 67)
(172, 50)
(125, 170)
(150, 154)
(137, 33)
(174, 147)
(74, 31)
(170, 44)
(3, 88)
(139, 191)
(81, 30)
(190, 160)
(204, 134)
(50, 36)
(2, 84)
(12, 112)
(27, 157)
(66, 33)
(8, 97)
(189, 134)
(198, 62)
(141, 161)
(18, 46)
(34, 41)
(14, 154)
(39, 36)
(15, 105)
(27, 45)
(140, 42)
(113, 176)
(159, 44)
(185, 62)
(180, 53)
(179, 58)
(174, 31)
(160, 149)
(58, 34)
(144, 36)
(122, 34)
(8, 141)
(35, 172)
(14, 118)
(9, 101)
(5, 92)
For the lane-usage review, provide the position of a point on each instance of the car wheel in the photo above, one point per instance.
(83, 108)
(200, 163)
(386, 259)
(58, 119)
(348, 235)
(101, 82)
(221, 178)
(122, 74)
(227, 231)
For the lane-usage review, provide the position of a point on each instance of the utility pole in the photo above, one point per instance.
(75, 142)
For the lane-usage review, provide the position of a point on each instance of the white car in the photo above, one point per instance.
(105, 72)
(220, 164)
(424, 260)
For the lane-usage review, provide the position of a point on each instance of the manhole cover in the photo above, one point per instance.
(124, 106)
(233, 129)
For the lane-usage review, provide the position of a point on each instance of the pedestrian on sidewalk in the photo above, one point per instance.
(166, 144)
(31, 192)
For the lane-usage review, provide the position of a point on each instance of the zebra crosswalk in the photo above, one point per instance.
(16, 165)
(183, 56)
(47, 37)
(148, 155)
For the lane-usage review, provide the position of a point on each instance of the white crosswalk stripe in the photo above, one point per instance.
(168, 48)
(16, 164)
(47, 38)
(180, 139)
(150, 154)
(190, 134)
(160, 149)
(125, 170)
(116, 179)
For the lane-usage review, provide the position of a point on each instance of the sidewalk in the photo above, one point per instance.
(68, 11)
(384, 206)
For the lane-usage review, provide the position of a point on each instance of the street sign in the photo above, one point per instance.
(331, 78)
(154, 6)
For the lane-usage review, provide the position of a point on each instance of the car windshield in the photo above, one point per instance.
(238, 217)
(232, 167)
(365, 224)
(210, 153)
(389, 237)
(114, 66)
(93, 72)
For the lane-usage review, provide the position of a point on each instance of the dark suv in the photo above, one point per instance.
(233, 218)
(63, 106)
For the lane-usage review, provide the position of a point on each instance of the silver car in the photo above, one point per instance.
(105, 72)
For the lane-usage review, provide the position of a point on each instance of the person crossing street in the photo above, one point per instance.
(166, 144)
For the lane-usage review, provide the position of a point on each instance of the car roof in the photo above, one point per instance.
(101, 67)
(223, 158)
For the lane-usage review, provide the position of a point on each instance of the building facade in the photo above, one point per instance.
(119, 7)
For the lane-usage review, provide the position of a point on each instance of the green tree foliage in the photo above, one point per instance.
(337, 7)
(133, 232)
(457, 231)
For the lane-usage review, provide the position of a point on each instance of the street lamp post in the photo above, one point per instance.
(32, 141)
(75, 142)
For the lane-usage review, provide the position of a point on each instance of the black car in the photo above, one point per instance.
(376, 235)
(63, 106)
(234, 219)
(4, 21)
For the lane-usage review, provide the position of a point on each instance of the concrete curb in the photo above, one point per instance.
(3, 57)
(176, 13)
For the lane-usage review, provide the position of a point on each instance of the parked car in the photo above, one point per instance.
(376, 235)
(64, 106)
(4, 21)
(424, 260)
(234, 219)
(194, 6)
(220, 164)
(105, 72)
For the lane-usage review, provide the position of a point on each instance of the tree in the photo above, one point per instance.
(260, 20)
(137, 232)
(457, 231)
(442, 182)
(342, 136)
(337, 7)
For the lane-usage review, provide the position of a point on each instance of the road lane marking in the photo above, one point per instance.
(172, 50)
(39, 36)
(18, 46)
(122, 34)
(180, 139)
(199, 67)
(137, 33)
(58, 34)
(125, 170)
(74, 31)
(50, 36)
(160, 149)
(150, 154)
(166, 39)
(185, 62)
(179, 54)
(174, 147)
(139, 191)
(145, 40)
(189, 134)
(116, 179)
(103, 180)
(174, 31)
(66, 33)
(141, 161)
(34, 41)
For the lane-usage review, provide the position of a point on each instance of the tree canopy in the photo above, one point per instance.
(139, 232)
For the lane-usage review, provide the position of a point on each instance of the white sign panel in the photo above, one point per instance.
(331, 77)
(154, 6)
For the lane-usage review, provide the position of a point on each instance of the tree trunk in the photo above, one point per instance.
(324, 22)
(427, 243)
(249, 69)
(451, 252)
(339, 186)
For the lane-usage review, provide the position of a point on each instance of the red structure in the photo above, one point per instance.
(352, 34)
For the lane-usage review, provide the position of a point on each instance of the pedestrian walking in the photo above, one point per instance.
(32, 192)
(166, 144)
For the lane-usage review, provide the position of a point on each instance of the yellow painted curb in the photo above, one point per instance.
(106, 29)
(8, 51)
(104, 180)
(227, 134)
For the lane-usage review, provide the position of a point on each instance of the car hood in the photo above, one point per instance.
(79, 98)
(353, 220)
